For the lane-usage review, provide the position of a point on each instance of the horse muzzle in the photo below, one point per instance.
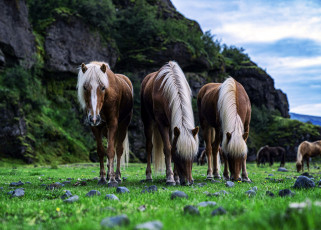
(94, 121)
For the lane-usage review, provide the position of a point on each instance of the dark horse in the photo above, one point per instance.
(267, 153)
(225, 114)
(169, 123)
(107, 99)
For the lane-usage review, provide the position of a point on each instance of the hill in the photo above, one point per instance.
(306, 118)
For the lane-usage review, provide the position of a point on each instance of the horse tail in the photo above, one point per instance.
(258, 156)
(232, 125)
(158, 151)
(299, 155)
(218, 153)
(125, 157)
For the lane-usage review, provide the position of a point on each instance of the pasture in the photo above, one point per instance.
(44, 209)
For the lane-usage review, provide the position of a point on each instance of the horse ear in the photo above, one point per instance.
(195, 131)
(83, 67)
(176, 132)
(245, 135)
(228, 136)
(103, 68)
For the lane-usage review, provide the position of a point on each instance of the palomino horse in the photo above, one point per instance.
(225, 113)
(108, 100)
(169, 123)
(305, 151)
(267, 153)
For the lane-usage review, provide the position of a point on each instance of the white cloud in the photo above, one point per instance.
(308, 109)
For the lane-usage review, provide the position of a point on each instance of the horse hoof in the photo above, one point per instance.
(102, 181)
(149, 180)
(217, 177)
(170, 183)
(112, 184)
(209, 178)
(226, 178)
(118, 180)
(246, 179)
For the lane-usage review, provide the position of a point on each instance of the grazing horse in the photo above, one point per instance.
(225, 114)
(305, 151)
(107, 99)
(169, 123)
(267, 153)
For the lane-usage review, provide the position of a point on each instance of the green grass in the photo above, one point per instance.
(38, 208)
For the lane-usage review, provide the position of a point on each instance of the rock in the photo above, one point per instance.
(306, 174)
(151, 225)
(72, 199)
(69, 178)
(270, 175)
(111, 197)
(141, 208)
(15, 184)
(303, 182)
(114, 221)
(192, 210)
(178, 194)
(218, 211)
(122, 190)
(201, 184)
(271, 194)
(254, 189)
(1, 188)
(229, 184)
(65, 54)
(281, 169)
(286, 192)
(17, 193)
(207, 203)
(54, 186)
(152, 188)
(93, 193)
(250, 193)
(66, 182)
(66, 195)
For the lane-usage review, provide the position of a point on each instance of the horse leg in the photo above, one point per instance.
(164, 131)
(225, 173)
(101, 153)
(308, 163)
(271, 160)
(111, 153)
(244, 172)
(176, 176)
(215, 152)
(208, 149)
(121, 136)
(148, 129)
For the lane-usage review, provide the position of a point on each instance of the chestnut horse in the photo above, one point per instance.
(107, 99)
(267, 153)
(225, 114)
(169, 123)
(305, 151)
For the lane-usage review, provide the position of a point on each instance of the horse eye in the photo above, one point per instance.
(103, 88)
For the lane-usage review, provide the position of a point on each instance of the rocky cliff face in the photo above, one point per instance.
(17, 43)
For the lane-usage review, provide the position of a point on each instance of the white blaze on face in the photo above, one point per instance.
(94, 100)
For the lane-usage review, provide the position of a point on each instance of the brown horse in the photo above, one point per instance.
(107, 99)
(267, 153)
(225, 114)
(305, 151)
(169, 123)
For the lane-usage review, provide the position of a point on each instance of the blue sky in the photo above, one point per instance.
(282, 37)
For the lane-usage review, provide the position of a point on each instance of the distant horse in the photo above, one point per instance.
(169, 123)
(305, 151)
(107, 99)
(267, 153)
(225, 113)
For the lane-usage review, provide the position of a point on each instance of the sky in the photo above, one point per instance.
(281, 36)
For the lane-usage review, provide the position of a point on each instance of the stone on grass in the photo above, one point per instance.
(254, 188)
(16, 183)
(114, 221)
(192, 210)
(201, 184)
(207, 203)
(303, 182)
(270, 175)
(111, 197)
(93, 193)
(250, 193)
(151, 225)
(141, 208)
(66, 182)
(17, 193)
(218, 211)
(54, 186)
(286, 192)
(281, 169)
(229, 184)
(66, 195)
(1, 188)
(271, 194)
(178, 194)
(122, 190)
(152, 188)
(72, 199)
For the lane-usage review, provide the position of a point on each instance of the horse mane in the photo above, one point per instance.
(178, 93)
(92, 74)
(230, 120)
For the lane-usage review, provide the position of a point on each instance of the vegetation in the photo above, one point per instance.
(41, 208)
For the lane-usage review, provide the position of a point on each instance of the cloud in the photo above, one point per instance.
(308, 109)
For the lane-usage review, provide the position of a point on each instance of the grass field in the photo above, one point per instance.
(43, 209)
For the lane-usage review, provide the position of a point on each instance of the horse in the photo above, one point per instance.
(225, 114)
(201, 156)
(107, 99)
(168, 120)
(305, 151)
(267, 153)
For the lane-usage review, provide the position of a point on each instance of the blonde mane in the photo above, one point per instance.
(178, 93)
(93, 74)
(230, 120)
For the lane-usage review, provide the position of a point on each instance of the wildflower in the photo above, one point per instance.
(58, 209)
